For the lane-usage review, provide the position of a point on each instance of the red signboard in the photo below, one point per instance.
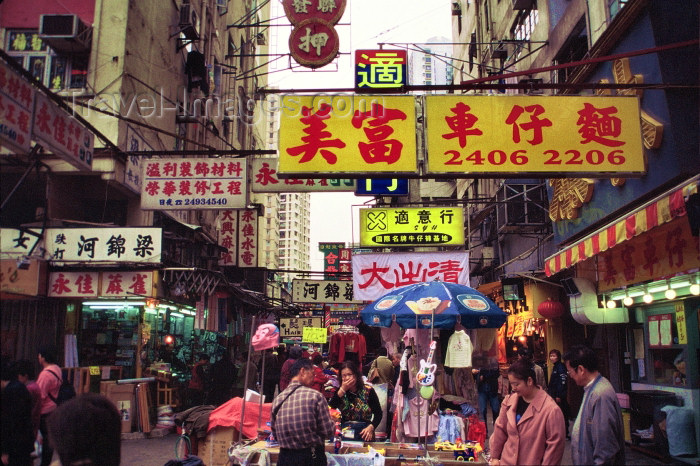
(314, 43)
(300, 10)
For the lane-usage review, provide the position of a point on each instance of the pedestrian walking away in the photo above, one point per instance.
(597, 436)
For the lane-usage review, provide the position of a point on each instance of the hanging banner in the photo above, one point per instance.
(680, 324)
(322, 291)
(581, 135)
(264, 179)
(16, 110)
(661, 252)
(63, 134)
(345, 134)
(412, 226)
(194, 184)
(128, 244)
(373, 275)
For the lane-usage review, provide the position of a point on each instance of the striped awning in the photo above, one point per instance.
(656, 212)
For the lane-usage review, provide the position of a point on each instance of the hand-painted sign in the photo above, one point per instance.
(515, 134)
(238, 234)
(382, 187)
(64, 135)
(347, 134)
(177, 184)
(16, 110)
(114, 284)
(380, 70)
(30, 281)
(135, 244)
(413, 226)
(294, 327)
(314, 335)
(16, 242)
(264, 179)
(373, 275)
(322, 291)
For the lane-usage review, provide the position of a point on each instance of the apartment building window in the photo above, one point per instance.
(574, 49)
(53, 70)
(614, 6)
(525, 23)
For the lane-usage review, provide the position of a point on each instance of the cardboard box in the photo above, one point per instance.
(213, 450)
(123, 398)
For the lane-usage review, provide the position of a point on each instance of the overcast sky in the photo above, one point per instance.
(334, 216)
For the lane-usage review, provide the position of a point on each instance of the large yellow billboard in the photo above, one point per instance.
(346, 134)
(411, 226)
(562, 135)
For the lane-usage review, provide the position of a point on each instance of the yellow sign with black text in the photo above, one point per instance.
(314, 335)
(534, 134)
(414, 226)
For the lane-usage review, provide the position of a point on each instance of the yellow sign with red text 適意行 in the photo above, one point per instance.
(535, 134)
(345, 134)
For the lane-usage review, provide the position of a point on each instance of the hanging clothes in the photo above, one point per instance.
(391, 337)
(459, 350)
(421, 341)
(418, 408)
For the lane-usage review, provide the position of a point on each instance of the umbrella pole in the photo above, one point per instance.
(419, 397)
(262, 390)
(245, 383)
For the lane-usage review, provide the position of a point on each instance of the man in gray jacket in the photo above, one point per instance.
(597, 436)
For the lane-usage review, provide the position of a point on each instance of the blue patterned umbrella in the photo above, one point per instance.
(434, 305)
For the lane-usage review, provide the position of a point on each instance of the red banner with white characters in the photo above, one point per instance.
(374, 275)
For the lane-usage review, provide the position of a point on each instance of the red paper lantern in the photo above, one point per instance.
(550, 309)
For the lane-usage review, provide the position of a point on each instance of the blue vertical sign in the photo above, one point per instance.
(382, 187)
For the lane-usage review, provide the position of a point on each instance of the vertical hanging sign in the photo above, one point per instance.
(227, 229)
(248, 238)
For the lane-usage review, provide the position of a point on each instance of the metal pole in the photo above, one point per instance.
(262, 388)
(245, 383)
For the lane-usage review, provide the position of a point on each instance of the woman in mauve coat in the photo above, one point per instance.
(530, 427)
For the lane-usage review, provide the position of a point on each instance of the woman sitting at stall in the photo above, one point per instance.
(358, 402)
(530, 425)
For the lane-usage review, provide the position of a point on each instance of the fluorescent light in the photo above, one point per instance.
(176, 314)
(114, 303)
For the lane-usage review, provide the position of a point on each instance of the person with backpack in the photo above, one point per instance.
(49, 382)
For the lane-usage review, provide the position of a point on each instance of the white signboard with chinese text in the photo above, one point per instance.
(74, 284)
(374, 275)
(15, 242)
(134, 163)
(293, 327)
(104, 244)
(227, 232)
(264, 179)
(248, 238)
(186, 184)
(16, 110)
(323, 291)
(114, 284)
(63, 134)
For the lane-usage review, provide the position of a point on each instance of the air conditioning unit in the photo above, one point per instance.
(189, 21)
(65, 33)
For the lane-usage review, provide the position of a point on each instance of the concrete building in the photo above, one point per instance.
(433, 65)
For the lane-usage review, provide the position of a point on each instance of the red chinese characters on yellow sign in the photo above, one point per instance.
(347, 134)
(489, 134)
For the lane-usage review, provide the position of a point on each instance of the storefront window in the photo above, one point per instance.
(108, 337)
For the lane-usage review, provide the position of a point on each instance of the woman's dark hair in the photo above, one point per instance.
(295, 352)
(522, 369)
(355, 369)
(49, 353)
(86, 430)
(557, 352)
